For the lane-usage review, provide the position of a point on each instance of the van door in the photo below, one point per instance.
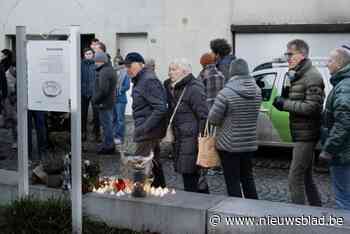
(266, 82)
(280, 119)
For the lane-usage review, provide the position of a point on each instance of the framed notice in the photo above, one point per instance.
(48, 75)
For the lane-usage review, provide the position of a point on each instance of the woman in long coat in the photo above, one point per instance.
(189, 119)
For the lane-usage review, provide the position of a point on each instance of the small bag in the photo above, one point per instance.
(169, 136)
(208, 156)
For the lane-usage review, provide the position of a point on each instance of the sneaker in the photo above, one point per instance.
(117, 141)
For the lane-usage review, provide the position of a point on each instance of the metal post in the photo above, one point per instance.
(22, 112)
(75, 129)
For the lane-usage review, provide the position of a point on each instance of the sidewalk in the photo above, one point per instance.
(272, 184)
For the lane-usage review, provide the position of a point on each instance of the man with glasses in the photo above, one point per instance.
(304, 104)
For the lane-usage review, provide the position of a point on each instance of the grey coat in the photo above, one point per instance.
(235, 111)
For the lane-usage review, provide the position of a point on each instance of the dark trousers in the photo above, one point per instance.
(41, 133)
(96, 121)
(144, 148)
(192, 182)
(238, 170)
(85, 103)
(300, 178)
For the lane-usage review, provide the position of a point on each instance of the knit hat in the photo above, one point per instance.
(134, 57)
(207, 58)
(239, 67)
(101, 57)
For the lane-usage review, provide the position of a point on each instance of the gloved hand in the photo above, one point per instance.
(278, 103)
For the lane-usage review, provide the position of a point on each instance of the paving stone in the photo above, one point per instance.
(272, 183)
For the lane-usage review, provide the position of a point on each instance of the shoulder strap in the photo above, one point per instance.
(177, 106)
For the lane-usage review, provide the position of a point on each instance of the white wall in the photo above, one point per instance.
(261, 48)
(163, 21)
(290, 12)
(180, 28)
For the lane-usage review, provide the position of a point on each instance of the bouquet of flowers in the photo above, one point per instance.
(90, 176)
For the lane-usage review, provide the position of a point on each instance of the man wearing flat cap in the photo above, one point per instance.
(104, 99)
(149, 112)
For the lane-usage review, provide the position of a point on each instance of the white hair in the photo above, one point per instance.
(150, 62)
(343, 56)
(182, 63)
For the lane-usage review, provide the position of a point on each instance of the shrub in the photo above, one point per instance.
(32, 216)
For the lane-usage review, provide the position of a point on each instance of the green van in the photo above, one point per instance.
(273, 125)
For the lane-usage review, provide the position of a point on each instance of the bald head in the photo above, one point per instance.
(338, 59)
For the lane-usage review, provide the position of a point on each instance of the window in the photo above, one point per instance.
(266, 83)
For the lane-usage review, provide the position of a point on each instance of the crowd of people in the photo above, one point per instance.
(223, 95)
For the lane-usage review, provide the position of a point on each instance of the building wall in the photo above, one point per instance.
(175, 28)
(290, 12)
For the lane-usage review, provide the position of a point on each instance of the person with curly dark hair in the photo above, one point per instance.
(222, 50)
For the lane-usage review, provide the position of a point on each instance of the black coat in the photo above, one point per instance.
(188, 122)
(149, 106)
(105, 84)
(4, 66)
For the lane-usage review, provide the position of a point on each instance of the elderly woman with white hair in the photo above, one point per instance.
(189, 119)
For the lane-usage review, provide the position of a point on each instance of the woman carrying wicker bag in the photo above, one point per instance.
(186, 97)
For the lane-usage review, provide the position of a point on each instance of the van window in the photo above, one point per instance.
(266, 83)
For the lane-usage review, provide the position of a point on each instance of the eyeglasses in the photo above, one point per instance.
(289, 55)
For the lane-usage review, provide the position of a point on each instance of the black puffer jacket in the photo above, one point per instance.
(149, 106)
(188, 122)
(305, 103)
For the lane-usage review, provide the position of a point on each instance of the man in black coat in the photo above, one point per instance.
(149, 112)
(104, 99)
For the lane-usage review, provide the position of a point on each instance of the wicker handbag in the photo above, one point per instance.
(208, 156)
(169, 136)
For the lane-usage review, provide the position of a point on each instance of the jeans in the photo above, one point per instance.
(41, 133)
(106, 120)
(144, 148)
(119, 120)
(340, 176)
(238, 170)
(300, 175)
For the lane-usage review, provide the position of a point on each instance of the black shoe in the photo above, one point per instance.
(106, 151)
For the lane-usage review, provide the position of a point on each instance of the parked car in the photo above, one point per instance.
(273, 125)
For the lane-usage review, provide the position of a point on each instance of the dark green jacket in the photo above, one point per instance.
(337, 118)
(305, 103)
